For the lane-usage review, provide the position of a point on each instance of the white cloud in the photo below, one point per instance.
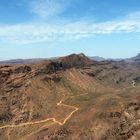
(48, 8)
(134, 16)
(32, 33)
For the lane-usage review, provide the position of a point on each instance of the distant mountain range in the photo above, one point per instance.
(135, 59)
(21, 61)
(97, 58)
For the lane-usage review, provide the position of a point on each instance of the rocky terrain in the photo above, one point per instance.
(20, 61)
(70, 98)
(135, 59)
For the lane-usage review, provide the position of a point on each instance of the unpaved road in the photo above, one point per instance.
(48, 119)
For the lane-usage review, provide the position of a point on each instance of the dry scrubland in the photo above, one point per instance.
(71, 98)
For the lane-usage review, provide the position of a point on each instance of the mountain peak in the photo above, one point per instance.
(82, 55)
(138, 55)
(135, 60)
(75, 60)
(66, 62)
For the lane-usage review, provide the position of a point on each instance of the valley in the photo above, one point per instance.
(70, 98)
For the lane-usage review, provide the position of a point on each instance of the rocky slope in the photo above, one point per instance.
(70, 98)
(135, 60)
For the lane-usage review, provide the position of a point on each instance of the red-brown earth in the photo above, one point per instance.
(70, 98)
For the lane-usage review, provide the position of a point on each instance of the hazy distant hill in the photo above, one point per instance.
(135, 59)
(97, 58)
(21, 61)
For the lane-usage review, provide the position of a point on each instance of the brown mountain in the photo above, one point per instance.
(135, 59)
(70, 98)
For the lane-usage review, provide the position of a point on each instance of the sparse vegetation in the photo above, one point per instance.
(77, 98)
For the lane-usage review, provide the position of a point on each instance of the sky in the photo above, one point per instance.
(50, 28)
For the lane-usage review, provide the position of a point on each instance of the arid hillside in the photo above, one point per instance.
(70, 98)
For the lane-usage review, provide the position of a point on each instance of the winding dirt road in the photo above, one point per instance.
(48, 119)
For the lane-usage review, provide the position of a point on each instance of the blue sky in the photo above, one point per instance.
(48, 28)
